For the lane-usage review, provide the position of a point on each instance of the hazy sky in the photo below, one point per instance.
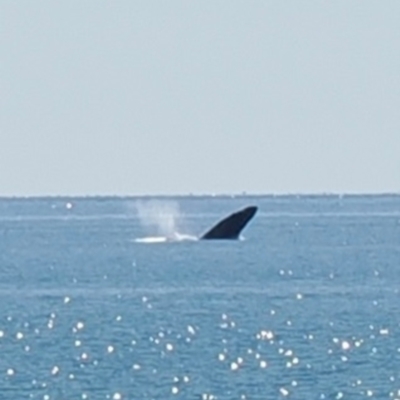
(165, 97)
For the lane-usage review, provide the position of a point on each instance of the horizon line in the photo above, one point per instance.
(205, 194)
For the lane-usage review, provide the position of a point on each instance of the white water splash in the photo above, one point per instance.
(161, 218)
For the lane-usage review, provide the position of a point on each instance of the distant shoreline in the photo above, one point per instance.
(198, 195)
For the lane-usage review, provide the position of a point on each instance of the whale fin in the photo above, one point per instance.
(231, 226)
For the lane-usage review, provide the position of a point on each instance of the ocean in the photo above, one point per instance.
(113, 298)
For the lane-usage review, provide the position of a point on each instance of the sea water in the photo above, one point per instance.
(105, 298)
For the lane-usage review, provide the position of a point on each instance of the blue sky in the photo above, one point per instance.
(153, 97)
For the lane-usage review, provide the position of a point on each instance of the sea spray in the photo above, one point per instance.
(160, 217)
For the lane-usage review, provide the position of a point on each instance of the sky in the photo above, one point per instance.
(176, 97)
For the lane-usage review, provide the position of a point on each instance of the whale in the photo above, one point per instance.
(230, 227)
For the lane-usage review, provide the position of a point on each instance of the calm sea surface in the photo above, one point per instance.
(94, 306)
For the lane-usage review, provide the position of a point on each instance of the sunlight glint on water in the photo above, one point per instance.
(306, 307)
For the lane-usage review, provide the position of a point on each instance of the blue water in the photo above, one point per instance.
(306, 306)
